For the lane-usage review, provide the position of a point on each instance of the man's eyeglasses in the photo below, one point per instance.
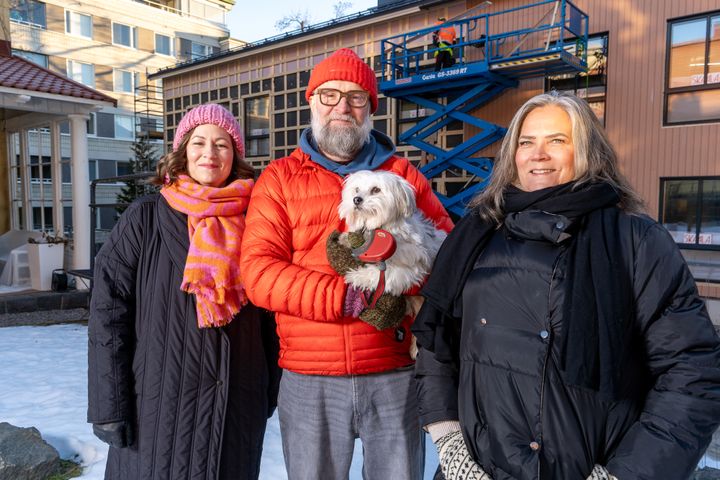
(331, 97)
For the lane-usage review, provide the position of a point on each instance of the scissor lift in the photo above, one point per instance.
(493, 52)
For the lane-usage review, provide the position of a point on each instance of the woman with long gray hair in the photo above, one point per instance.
(562, 335)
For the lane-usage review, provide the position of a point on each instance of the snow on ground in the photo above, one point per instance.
(43, 372)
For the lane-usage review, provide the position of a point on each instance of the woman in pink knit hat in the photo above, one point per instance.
(182, 369)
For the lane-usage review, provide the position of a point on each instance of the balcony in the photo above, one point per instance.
(196, 10)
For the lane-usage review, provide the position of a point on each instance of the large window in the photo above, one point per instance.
(81, 72)
(78, 24)
(124, 35)
(29, 12)
(592, 86)
(692, 93)
(690, 210)
(163, 44)
(257, 126)
(123, 81)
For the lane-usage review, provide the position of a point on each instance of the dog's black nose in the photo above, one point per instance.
(357, 200)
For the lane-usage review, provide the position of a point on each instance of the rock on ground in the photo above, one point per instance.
(24, 455)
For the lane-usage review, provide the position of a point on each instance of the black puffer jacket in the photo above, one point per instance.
(198, 398)
(521, 420)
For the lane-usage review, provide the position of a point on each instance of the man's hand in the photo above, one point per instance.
(340, 256)
(388, 312)
(455, 460)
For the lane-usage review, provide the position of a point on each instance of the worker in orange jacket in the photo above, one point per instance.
(443, 40)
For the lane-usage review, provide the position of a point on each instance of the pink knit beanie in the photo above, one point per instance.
(210, 114)
(344, 64)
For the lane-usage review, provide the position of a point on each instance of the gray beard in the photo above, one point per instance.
(341, 141)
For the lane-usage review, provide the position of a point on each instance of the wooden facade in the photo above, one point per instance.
(634, 99)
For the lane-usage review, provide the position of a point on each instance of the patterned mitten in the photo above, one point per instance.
(388, 312)
(455, 460)
(340, 256)
(601, 473)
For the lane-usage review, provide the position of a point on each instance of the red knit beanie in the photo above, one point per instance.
(344, 65)
(210, 114)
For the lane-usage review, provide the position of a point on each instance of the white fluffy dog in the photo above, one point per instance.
(381, 199)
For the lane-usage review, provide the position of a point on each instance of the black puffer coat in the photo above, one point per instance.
(198, 398)
(521, 420)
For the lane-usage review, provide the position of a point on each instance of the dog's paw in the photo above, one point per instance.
(414, 302)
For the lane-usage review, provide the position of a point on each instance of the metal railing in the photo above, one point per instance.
(566, 27)
(94, 205)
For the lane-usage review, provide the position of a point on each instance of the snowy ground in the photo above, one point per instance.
(43, 375)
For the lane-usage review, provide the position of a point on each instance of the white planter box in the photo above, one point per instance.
(43, 259)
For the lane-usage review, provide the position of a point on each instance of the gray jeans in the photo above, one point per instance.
(321, 416)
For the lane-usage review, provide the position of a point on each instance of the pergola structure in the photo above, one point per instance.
(34, 99)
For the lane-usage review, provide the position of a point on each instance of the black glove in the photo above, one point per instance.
(388, 312)
(115, 434)
(340, 256)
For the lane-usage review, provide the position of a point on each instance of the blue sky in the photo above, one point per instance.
(251, 20)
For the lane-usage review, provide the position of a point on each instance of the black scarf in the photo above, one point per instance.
(598, 299)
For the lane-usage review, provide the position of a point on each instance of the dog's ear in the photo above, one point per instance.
(404, 195)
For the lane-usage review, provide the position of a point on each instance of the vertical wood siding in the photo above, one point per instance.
(637, 37)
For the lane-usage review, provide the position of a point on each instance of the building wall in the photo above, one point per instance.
(105, 147)
(267, 72)
(636, 82)
(637, 33)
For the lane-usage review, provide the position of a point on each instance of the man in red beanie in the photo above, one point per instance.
(344, 379)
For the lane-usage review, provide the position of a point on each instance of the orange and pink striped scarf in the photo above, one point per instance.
(216, 221)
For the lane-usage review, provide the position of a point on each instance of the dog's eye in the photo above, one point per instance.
(375, 190)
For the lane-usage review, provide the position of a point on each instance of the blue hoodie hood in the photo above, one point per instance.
(376, 152)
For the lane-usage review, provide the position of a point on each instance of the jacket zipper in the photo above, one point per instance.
(547, 354)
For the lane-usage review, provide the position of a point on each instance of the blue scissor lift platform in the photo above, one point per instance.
(492, 53)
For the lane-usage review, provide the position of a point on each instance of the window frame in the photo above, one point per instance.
(68, 31)
(133, 36)
(603, 77)
(132, 81)
(116, 116)
(698, 213)
(257, 136)
(28, 11)
(170, 44)
(670, 91)
(71, 62)
(206, 48)
(32, 56)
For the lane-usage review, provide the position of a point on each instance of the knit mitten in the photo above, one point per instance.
(388, 312)
(340, 256)
(601, 473)
(455, 460)
(354, 302)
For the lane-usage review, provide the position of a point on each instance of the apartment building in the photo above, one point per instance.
(110, 47)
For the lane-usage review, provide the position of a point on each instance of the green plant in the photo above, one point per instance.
(144, 161)
(68, 469)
